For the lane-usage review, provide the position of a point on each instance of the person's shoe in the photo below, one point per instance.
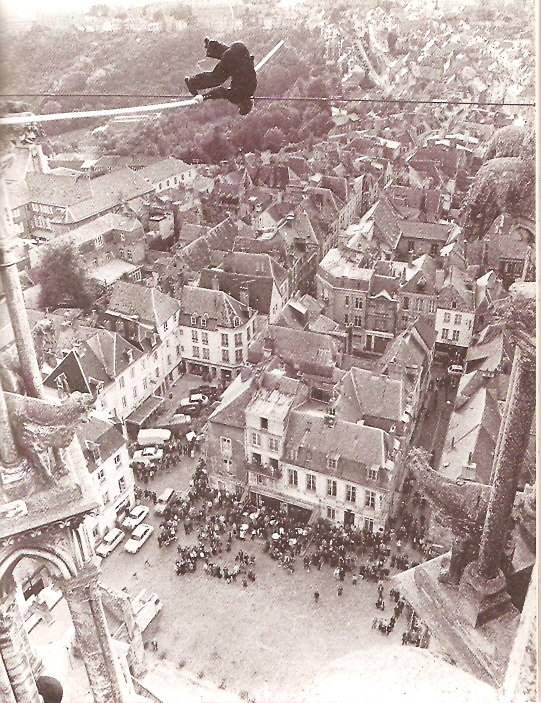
(245, 107)
(189, 85)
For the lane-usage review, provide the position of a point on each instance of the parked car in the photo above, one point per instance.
(146, 606)
(138, 537)
(168, 496)
(210, 391)
(455, 370)
(155, 437)
(111, 540)
(136, 517)
(192, 409)
(199, 398)
(150, 453)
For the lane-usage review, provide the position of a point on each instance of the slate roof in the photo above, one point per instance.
(102, 433)
(364, 394)
(255, 264)
(431, 231)
(341, 264)
(490, 352)
(307, 352)
(150, 305)
(355, 447)
(163, 169)
(231, 410)
(112, 351)
(306, 313)
(217, 305)
(259, 287)
(471, 438)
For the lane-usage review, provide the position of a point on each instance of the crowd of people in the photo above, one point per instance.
(173, 450)
(219, 519)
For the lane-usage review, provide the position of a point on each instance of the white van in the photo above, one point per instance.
(146, 606)
(153, 437)
(166, 497)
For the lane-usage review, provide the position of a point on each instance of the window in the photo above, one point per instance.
(228, 463)
(195, 336)
(256, 439)
(293, 477)
(261, 479)
(205, 337)
(178, 350)
(238, 356)
(331, 513)
(358, 321)
(169, 359)
(157, 372)
(456, 335)
(346, 319)
(204, 321)
(332, 463)
(370, 499)
(406, 304)
(432, 306)
(411, 246)
(331, 487)
(346, 301)
(225, 355)
(105, 497)
(264, 423)
(248, 333)
(368, 524)
(236, 322)
(419, 304)
(447, 317)
(100, 475)
(310, 482)
(165, 326)
(445, 333)
(121, 382)
(132, 372)
(196, 352)
(129, 255)
(124, 402)
(155, 356)
(98, 242)
(373, 474)
(225, 445)
(274, 444)
(238, 339)
(351, 493)
(225, 340)
(135, 392)
(458, 319)
(206, 353)
(359, 303)
(145, 383)
(122, 484)
(193, 320)
(117, 459)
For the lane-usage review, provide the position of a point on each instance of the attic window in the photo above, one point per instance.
(193, 319)
(204, 321)
(236, 322)
(453, 305)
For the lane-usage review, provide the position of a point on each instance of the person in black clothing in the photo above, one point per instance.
(234, 62)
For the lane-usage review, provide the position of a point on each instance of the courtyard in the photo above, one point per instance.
(266, 641)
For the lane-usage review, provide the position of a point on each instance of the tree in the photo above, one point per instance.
(64, 281)
(274, 139)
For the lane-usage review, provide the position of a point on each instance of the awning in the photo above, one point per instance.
(282, 497)
(145, 410)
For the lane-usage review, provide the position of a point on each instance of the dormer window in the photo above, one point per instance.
(453, 305)
(204, 321)
(332, 462)
(193, 320)
(236, 322)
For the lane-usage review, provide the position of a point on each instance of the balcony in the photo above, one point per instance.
(264, 470)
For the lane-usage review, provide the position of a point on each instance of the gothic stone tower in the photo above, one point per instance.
(45, 496)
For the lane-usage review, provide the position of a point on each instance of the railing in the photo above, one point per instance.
(264, 470)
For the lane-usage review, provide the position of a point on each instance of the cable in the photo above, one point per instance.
(332, 98)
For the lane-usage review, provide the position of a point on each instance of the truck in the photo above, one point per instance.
(153, 437)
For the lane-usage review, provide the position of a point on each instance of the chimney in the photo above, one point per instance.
(215, 283)
(244, 295)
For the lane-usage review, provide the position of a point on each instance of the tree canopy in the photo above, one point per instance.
(64, 281)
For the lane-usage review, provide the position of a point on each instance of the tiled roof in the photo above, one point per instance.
(422, 270)
(426, 230)
(231, 410)
(217, 305)
(254, 265)
(305, 313)
(342, 264)
(149, 304)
